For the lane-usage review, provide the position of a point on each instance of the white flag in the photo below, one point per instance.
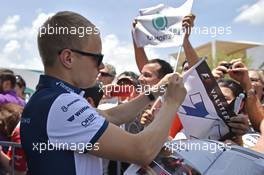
(204, 111)
(161, 26)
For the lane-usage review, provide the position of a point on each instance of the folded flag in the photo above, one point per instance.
(161, 26)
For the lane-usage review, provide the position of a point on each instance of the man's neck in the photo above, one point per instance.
(60, 75)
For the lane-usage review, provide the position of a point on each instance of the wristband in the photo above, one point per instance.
(251, 92)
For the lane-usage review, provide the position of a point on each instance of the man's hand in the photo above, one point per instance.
(239, 124)
(220, 71)
(149, 114)
(175, 92)
(190, 53)
(134, 23)
(140, 55)
(147, 117)
(239, 72)
(188, 23)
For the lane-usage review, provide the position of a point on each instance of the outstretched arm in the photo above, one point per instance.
(142, 148)
(191, 55)
(140, 55)
(132, 108)
(239, 72)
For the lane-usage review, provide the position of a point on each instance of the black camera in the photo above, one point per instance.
(227, 65)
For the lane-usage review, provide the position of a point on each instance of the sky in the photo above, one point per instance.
(19, 21)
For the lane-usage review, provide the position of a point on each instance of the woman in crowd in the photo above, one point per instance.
(10, 128)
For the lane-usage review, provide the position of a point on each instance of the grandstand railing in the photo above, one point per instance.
(13, 146)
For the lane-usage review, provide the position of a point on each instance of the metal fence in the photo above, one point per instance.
(13, 146)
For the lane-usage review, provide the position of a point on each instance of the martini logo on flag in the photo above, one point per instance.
(160, 23)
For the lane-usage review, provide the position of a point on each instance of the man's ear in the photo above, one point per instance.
(66, 59)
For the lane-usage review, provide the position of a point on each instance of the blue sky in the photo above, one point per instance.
(19, 18)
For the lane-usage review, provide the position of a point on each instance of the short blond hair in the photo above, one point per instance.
(50, 45)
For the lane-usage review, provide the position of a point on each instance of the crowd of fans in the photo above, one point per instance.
(12, 102)
(240, 80)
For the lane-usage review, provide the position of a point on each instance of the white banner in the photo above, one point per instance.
(161, 26)
(204, 109)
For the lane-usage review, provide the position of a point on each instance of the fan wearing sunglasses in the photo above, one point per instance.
(107, 74)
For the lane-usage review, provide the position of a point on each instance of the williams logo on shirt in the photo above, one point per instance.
(78, 113)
